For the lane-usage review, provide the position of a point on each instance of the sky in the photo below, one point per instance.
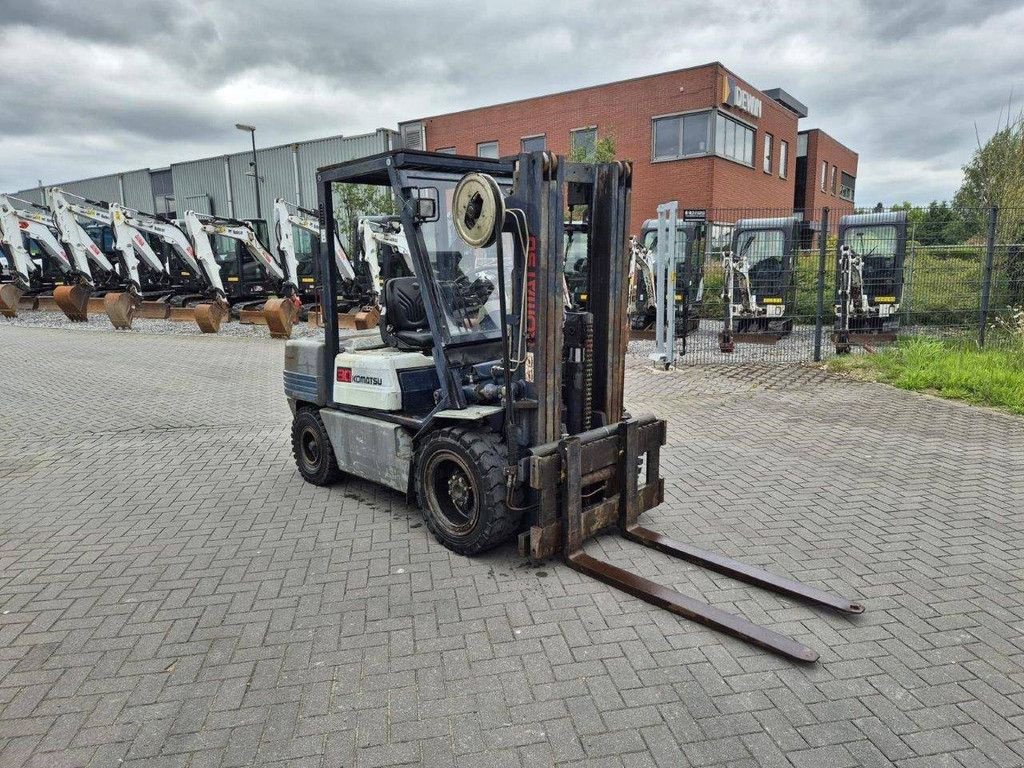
(90, 87)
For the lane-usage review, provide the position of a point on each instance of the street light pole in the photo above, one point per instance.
(255, 168)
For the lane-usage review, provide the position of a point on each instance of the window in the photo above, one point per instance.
(801, 145)
(846, 186)
(682, 136)
(833, 179)
(446, 150)
(734, 140)
(760, 244)
(768, 153)
(872, 240)
(533, 143)
(582, 141)
(824, 175)
(783, 158)
(487, 149)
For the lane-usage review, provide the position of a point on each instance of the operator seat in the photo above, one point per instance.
(404, 324)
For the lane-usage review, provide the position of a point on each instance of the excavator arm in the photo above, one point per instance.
(37, 223)
(13, 230)
(75, 238)
(131, 219)
(307, 221)
(243, 232)
(69, 208)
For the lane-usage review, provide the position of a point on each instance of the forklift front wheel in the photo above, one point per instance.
(314, 456)
(460, 485)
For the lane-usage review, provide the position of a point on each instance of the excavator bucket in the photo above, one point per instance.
(73, 301)
(10, 296)
(155, 310)
(120, 308)
(280, 316)
(209, 317)
(360, 319)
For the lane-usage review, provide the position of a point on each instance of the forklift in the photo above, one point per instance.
(759, 285)
(869, 284)
(481, 395)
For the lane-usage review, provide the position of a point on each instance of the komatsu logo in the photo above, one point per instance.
(345, 376)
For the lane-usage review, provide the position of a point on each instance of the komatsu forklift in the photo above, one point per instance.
(759, 285)
(485, 398)
(869, 278)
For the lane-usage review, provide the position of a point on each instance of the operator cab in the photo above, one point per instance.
(392, 368)
(103, 236)
(760, 286)
(243, 276)
(689, 271)
(869, 268)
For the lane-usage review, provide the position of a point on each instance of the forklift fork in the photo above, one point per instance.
(579, 456)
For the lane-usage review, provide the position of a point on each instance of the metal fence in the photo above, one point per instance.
(810, 286)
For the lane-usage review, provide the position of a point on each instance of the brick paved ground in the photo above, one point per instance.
(171, 594)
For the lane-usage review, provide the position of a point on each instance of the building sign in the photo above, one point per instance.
(695, 214)
(735, 96)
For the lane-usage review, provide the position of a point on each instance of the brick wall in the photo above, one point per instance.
(624, 110)
(822, 148)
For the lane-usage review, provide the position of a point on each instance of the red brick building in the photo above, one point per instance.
(826, 175)
(701, 135)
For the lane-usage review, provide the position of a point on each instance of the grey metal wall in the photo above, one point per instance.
(219, 185)
(136, 186)
(199, 180)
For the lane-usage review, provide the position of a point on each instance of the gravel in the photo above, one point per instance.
(702, 347)
(98, 322)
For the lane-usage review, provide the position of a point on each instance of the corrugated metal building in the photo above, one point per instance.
(223, 185)
(133, 188)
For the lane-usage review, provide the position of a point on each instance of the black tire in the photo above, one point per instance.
(460, 486)
(314, 456)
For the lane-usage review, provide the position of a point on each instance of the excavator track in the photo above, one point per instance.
(73, 301)
(10, 297)
(209, 316)
(280, 316)
(120, 308)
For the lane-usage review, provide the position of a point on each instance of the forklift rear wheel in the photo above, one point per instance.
(314, 456)
(460, 485)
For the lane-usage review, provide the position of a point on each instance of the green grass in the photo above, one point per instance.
(952, 369)
(941, 287)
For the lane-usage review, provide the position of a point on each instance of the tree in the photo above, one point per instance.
(995, 177)
(354, 200)
(602, 151)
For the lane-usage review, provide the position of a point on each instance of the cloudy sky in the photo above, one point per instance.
(95, 86)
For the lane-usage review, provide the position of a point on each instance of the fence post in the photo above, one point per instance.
(819, 314)
(986, 277)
